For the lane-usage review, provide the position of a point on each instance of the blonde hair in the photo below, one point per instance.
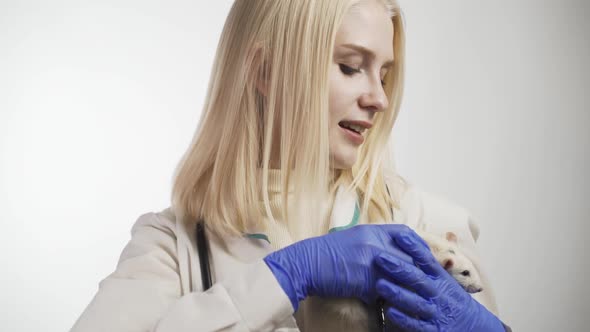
(223, 176)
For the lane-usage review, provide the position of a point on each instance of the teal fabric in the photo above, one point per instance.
(259, 236)
(353, 222)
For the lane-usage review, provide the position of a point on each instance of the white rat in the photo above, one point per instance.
(449, 255)
(352, 313)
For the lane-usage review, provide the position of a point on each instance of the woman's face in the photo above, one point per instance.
(356, 90)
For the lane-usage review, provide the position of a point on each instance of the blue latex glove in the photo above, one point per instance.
(338, 264)
(439, 303)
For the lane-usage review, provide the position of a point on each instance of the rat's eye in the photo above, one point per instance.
(451, 251)
(465, 273)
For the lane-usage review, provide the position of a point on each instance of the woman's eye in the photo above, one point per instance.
(348, 70)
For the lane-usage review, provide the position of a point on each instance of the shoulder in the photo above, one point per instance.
(166, 243)
(435, 213)
(163, 220)
(160, 228)
(151, 253)
(151, 230)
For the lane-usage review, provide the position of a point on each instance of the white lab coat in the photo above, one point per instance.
(157, 283)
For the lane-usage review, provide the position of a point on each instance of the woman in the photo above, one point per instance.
(290, 154)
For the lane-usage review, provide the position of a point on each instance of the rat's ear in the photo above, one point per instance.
(451, 237)
(447, 263)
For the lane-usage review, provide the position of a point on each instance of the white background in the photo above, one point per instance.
(98, 100)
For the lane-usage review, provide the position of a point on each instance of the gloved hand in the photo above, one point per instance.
(439, 303)
(338, 264)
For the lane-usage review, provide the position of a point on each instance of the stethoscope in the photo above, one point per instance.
(203, 250)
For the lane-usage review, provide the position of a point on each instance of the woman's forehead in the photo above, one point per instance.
(367, 28)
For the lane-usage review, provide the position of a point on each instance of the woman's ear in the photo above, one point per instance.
(261, 70)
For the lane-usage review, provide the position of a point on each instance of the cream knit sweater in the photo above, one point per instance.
(278, 233)
(337, 314)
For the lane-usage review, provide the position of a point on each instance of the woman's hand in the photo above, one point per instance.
(339, 264)
(439, 303)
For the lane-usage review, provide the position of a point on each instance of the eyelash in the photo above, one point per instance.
(349, 71)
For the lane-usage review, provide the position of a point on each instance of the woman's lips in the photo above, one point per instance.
(353, 136)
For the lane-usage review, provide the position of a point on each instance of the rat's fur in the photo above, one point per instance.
(449, 255)
(352, 312)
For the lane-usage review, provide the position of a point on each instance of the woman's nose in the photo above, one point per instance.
(374, 98)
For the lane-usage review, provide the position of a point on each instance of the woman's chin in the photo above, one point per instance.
(344, 162)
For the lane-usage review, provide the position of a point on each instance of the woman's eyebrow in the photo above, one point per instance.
(368, 52)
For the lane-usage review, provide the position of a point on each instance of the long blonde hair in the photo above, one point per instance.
(223, 176)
